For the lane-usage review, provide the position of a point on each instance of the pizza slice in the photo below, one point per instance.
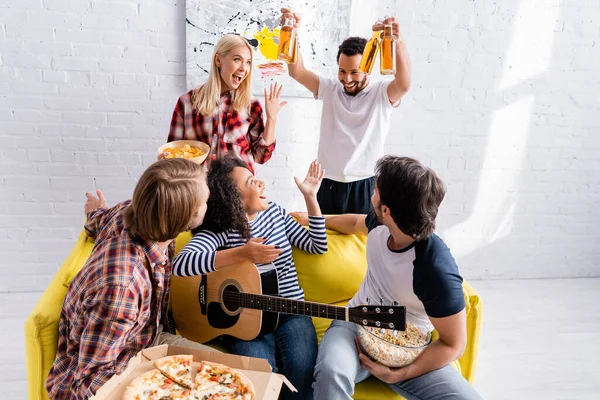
(184, 395)
(218, 381)
(177, 368)
(153, 385)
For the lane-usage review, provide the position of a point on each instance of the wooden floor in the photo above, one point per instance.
(541, 340)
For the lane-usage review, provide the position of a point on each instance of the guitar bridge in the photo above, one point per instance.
(202, 295)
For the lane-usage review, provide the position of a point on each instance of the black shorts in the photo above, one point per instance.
(346, 198)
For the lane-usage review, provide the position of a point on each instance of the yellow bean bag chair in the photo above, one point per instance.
(330, 278)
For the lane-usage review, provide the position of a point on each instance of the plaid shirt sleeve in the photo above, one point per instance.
(94, 221)
(177, 129)
(260, 150)
(111, 315)
(102, 220)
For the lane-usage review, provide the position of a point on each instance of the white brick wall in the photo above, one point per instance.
(504, 105)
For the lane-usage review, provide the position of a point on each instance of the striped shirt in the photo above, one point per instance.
(112, 308)
(226, 131)
(277, 228)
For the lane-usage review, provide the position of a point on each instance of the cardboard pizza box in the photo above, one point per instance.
(267, 384)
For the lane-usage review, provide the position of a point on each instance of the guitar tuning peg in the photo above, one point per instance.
(395, 303)
(381, 301)
(368, 302)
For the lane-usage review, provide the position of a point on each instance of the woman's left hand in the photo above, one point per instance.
(272, 104)
(312, 182)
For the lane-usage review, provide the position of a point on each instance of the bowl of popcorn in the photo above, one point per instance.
(393, 348)
(192, 150)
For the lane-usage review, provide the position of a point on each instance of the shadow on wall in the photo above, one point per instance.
(530, 211)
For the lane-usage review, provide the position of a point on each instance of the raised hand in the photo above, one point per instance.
(310, 186)
(378, 26)
(258, 253)
(272, 104)
(93, 203)
(287, 13)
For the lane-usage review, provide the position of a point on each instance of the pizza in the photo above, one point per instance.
(218, 381)
(172, 380)
(177, 368)
(153, 385)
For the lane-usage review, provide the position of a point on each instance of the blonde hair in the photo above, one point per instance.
(165, 199)
(205, 98)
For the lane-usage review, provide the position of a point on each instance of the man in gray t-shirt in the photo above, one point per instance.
(410, 264)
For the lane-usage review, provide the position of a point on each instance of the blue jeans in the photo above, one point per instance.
(338, 370)
(291, 350)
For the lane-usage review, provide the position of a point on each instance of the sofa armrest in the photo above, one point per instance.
(41, 337)
(468, 361)
(41, 326)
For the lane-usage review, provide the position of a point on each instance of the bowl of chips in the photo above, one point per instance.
(192, 150)
(394, 348)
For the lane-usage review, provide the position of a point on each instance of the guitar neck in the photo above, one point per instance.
(296, 307)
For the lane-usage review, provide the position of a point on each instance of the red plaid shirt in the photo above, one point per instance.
(112, 308)
(227, 130)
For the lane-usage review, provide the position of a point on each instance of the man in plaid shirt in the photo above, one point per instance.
(116, 305)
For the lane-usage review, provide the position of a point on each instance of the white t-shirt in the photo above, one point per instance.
(353, 129)
(422, 277)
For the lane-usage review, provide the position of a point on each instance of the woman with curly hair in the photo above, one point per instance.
(242, 225)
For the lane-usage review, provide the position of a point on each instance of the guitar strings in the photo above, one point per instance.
(234, 295)
(313, 308)
(231, 295)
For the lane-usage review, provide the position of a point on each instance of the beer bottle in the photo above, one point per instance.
(294, 51)
(371, 49)
(388, 52)
(287, 41)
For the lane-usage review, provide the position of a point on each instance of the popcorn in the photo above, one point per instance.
(393, 348)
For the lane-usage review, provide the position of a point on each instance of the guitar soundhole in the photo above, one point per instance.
(231, 299)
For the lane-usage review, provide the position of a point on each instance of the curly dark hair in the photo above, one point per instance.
(351, 46)
(412, 192)
(225, 210)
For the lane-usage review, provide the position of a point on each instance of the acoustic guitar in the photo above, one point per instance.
(242, 302)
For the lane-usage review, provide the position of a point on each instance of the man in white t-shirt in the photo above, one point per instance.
(409, 264)
(355, 120)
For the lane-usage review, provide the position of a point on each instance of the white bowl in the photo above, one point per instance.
(390, 354)
(192, 143)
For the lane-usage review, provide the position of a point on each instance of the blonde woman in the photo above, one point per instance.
(222, 112)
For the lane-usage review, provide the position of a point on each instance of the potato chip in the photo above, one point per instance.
(186, 151)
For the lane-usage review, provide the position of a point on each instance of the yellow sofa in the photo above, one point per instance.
(330, 278)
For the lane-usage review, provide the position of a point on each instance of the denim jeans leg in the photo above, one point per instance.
(261, 347)
(296, 343)
(443, 384)
(338, 368)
